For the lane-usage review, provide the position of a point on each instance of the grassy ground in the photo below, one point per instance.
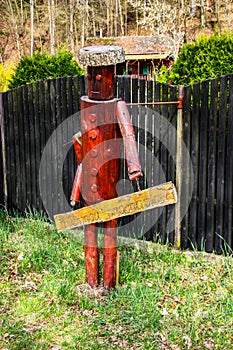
(165, 300)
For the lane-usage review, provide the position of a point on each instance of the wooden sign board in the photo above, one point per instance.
(128, 204)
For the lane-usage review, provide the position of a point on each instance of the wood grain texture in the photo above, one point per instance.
(129, 204)
(101, 55)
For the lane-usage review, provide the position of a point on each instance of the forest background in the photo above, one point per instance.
(28, 27)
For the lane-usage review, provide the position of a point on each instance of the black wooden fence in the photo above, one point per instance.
(208, 130)
(37, 172)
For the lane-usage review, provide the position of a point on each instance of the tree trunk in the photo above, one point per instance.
(93, 22)
(228, 15)
(202, 14)
(217, 14)
(51, 9)
(116, 18)
(193, 8)
(144, 12)
(112, 14)
(83, 33)
(126, 17)
(121, 18)
(108, 18)
(82, 16)
(72, 26)
(14, 21)
(21, 10)
(32, 26)
(136, 17)
(87, 18)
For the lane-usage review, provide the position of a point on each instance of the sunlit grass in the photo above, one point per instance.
(165, 299)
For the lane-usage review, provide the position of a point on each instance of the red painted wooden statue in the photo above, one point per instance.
(104, 120)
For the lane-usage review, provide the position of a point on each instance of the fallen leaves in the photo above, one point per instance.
(178, 300)
(164, 312)
(209, 344)
(55, 347)
(164, 344)
(187, 340)
(119, 342)
(85, 289)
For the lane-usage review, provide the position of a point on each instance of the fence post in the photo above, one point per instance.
(179, 164)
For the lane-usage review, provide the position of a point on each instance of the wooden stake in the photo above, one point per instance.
(117, 267)
(179, 164)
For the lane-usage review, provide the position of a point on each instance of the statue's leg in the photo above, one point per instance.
(91, 255)
(110, 252)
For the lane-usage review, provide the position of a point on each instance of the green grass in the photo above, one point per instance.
(165, 299)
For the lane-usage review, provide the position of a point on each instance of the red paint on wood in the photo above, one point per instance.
(110, 254)
(91, 252)
(76, 189)
(130, 147)
(101, 116)
(101, 145)
(100, 82)
(78, 147)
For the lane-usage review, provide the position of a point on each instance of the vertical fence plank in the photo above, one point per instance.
(194, 153)
(211, 166)
(42, 118)
(54, 146)
(135, 86)
(20, 147)
(60, 146)
(65, 133)
(8, 140)
(32, 145)
(171, 161)
(156, 142)
(82, 85)
(149, 158)
(127, 89)
(203, 166)
(47, 129)
(185, 185)
(221, 164)
(228, 210)
(120, 87)
(37, 140)
(26, 133)
(141, 146)
(163, 157)
(14, 166)
(142, 123)
(71, 128)
(76, 94)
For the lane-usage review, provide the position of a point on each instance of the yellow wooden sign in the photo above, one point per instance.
(128, 204)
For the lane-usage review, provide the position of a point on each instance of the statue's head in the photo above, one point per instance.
(100, 62)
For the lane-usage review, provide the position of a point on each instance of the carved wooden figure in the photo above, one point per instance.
(104, 120)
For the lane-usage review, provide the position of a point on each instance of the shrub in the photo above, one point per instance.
(43, 66)
(205, 59)
(5, 76)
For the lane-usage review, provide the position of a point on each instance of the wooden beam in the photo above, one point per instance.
(128, 204)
